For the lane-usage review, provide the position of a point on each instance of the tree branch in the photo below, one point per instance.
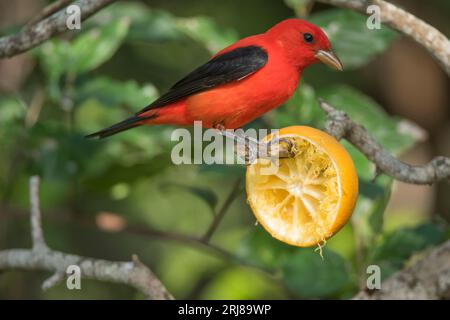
(428, 278)
(41, 31)
(429, 37)
(40, 257)
(341, 126)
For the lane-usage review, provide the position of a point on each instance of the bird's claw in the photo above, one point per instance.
(249, 149)
(283, 147)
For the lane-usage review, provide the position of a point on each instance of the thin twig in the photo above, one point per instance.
(31, 37)
(429, 37)
(235, 191)
(341, 126)
(37, 235)
(52, 281)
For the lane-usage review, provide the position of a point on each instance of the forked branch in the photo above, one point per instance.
(41, 257)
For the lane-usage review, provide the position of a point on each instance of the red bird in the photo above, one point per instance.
(241, 82)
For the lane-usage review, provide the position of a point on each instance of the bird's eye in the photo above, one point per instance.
(308, 37)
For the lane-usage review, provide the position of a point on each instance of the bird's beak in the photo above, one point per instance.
(330, 59)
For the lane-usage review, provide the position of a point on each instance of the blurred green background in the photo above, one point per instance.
(122, 196)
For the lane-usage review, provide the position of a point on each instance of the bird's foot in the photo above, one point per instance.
(249, 149)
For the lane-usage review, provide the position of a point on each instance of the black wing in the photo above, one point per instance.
(230, 66)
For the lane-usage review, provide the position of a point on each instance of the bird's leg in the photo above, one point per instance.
(250, 149)
(247, 148)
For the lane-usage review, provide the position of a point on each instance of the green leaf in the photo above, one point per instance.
(121, 173)
(12, 115)
(94, 47)
(12, 110)
(310, 276)
(301, 109)
(207, 32)
(150, 25)
(86, 52)
(302, 270)
(354, 43)
(259, 248)
(395, 248)
(103, 101)
(112, 93)
(58, 154)
(231, 284)
(205, 194)
(54, 57)
(387, 130)
(368, 216)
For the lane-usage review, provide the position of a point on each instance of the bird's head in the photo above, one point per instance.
(304, 43)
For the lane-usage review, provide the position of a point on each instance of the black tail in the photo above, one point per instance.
(126, 124)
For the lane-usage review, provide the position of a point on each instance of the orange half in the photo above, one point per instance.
(306, 199)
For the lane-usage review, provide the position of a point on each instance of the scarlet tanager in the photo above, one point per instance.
(241, 82)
